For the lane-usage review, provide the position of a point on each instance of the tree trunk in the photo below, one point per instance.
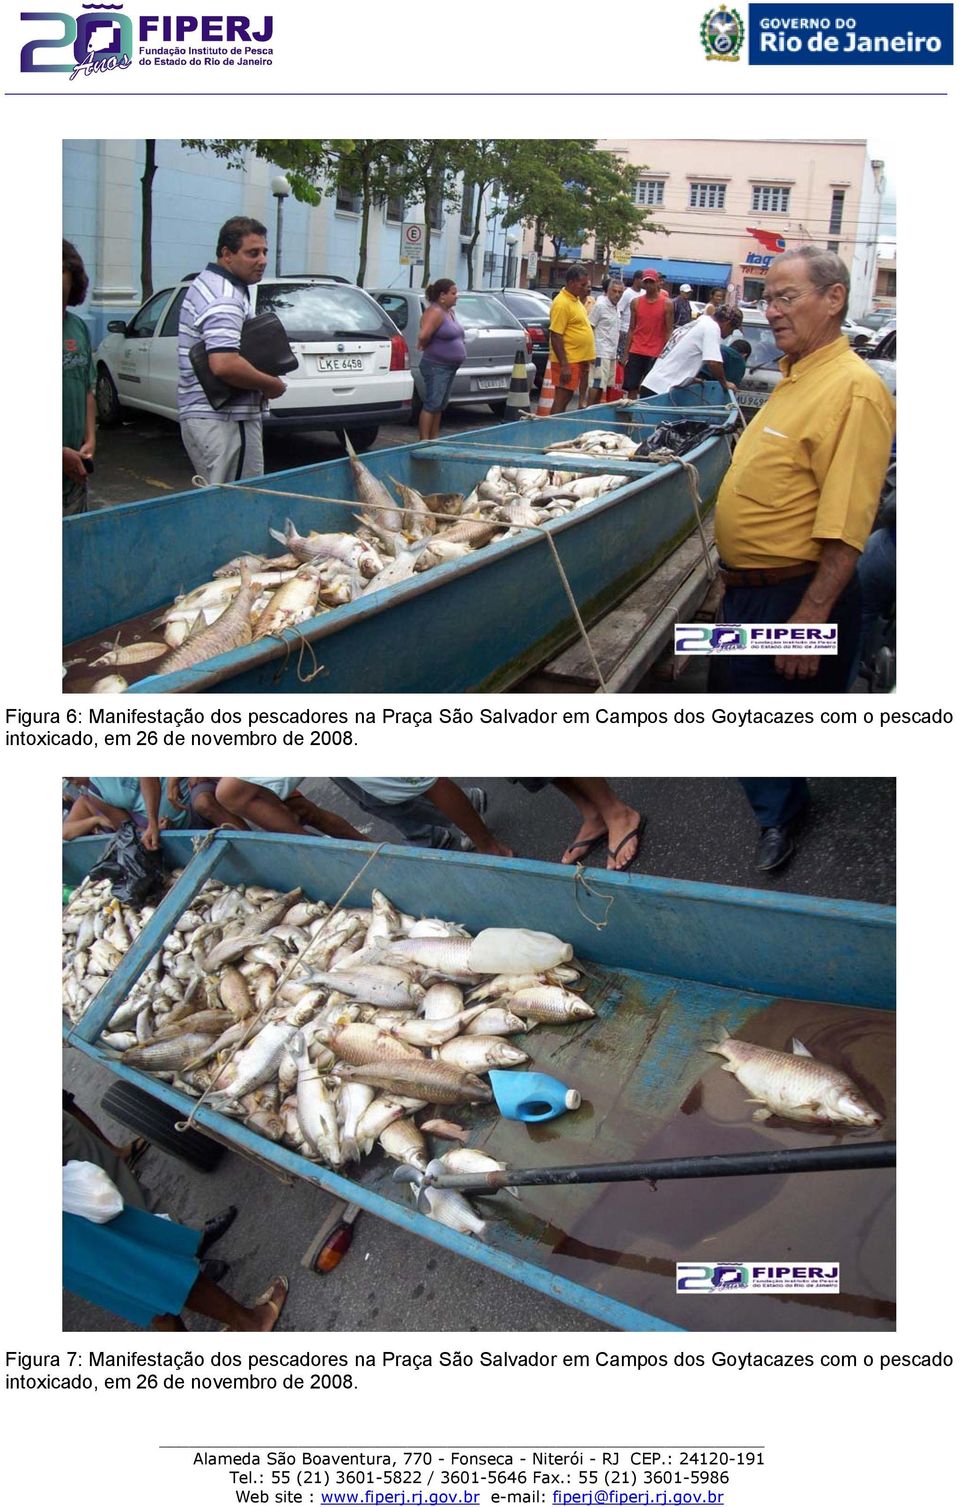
(364, 223)
(481, 189)
(146, 220)
(427, 215)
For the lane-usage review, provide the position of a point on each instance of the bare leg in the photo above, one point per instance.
(324, 821)
(597, 802)
(206, 805)
(90, 814)
(423, 424)
(561, 399)
(435, 424)
(254, 803)
(215, 1303)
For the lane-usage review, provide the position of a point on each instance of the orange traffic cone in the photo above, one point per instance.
(547, 394)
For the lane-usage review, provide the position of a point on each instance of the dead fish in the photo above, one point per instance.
(399, 569)
(447, 1130)
(434, 1032)
(496, 1021)
(795, 1084)
(165, 1056)
(549, 1004)
(313, 548)
(433, 1082)
(468, 1159)
(109, 685)
(477, 1054)
(130, 654)
(228, 632)
(404, 1142)
(444, 502)
(358, 1044)
(372, 494)
(287, 605)
(448, 1207)
(417, 517)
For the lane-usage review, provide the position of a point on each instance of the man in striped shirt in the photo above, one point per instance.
(225, 444)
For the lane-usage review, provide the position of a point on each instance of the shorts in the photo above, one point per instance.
(605, 372)
(637, 368)
(437, 378)
(283, 789)
(579, 375)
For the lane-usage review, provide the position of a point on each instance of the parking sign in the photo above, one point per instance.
(411, 245)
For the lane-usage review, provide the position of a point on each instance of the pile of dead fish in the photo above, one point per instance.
(97, 931)
(327, 1032)
(256, 596)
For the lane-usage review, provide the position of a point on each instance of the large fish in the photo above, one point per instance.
(294, 601)
(384, 514)
(434, 1082)
(795, 1085)
(230, 631)
(312, 548)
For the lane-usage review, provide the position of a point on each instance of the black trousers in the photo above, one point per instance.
(754, 673)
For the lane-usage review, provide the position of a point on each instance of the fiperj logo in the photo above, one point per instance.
(98, 41)
(721, 33)
(755, 638)
(757, 1276)
(102, 39)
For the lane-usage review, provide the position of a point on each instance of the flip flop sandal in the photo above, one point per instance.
(138, 1150)
(587, 844)
(266, 1297)
(614, 853)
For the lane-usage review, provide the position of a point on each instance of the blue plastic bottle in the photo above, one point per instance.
(531, 1096)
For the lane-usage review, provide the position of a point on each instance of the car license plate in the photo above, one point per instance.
(340, 363)
(751, 399)
(490, 384)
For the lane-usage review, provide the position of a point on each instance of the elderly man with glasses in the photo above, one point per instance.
(799, 500)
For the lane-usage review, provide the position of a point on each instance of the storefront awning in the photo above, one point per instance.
(694, 273)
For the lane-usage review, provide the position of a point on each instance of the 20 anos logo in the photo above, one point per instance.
(100, 40)
(721, 33)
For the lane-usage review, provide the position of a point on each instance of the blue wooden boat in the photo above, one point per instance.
(480, 623)
(669, 965)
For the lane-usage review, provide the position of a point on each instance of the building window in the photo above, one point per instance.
(836, 211)
(650, 191)
(708, 195)
(769, 200)
(395, 208)
(347, 202)
(466, 209)
(833, 245)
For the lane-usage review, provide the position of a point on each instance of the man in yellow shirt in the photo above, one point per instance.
(798, 503)
(571, 341)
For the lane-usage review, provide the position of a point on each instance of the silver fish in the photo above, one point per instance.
(477, 1054)
(795, 1085)
(434, 1082)
(316, 1114)
(449, 1207)
(552, 1005)
(229, 631)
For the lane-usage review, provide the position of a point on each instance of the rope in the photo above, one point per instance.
(580, 881)
(292, 967)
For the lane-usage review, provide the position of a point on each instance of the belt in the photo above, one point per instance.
(771, 577)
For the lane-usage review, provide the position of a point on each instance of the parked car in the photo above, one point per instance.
(763, 368)
(533, 311)
(877, 320)
(882, 356)
(353, 372)
(493, 337)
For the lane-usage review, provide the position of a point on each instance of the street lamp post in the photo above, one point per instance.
(280, 188)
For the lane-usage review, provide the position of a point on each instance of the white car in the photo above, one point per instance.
(353, 372)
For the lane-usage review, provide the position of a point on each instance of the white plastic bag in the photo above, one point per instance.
(89, 1192)
(515, 949)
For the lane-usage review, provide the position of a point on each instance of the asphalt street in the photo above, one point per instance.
(698, 829)
(144, 456)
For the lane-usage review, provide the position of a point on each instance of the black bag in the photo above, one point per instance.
(136, 875)
(263, 342)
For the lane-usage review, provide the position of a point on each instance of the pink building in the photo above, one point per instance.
(711, 194)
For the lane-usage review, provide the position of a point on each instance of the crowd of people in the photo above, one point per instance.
(426, 812)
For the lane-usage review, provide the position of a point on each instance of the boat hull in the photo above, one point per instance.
(480, 623)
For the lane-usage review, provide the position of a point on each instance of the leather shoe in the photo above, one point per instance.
(214, 1270)
(774, 848)
(215, 1228)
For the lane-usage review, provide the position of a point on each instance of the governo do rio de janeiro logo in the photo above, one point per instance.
(98, 41)
(721, 32)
